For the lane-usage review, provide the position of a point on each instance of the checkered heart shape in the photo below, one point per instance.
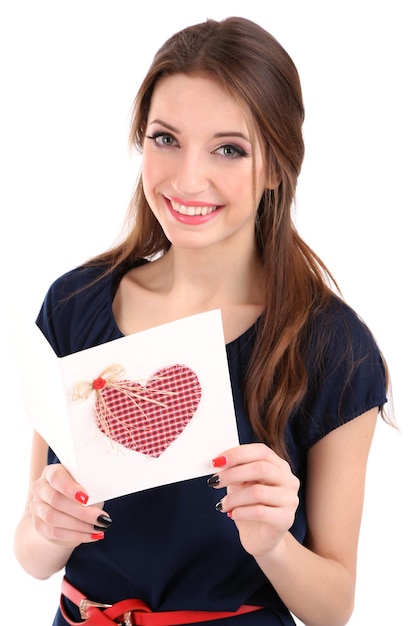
(149, 417)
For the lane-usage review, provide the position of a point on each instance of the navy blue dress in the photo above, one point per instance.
(168, 546)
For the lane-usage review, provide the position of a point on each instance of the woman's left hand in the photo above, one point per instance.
(262, 495)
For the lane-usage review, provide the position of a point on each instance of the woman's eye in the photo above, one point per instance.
(232, 152)
(162, 139)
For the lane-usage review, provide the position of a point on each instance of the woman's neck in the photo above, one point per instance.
(205, 278)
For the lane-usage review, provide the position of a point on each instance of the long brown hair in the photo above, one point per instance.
(251, 64)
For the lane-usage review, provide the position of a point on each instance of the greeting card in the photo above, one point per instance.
(141, 411)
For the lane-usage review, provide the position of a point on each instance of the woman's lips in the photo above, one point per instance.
(191, 212)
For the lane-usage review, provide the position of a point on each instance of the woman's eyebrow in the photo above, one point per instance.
(231, 133)
(157, 121)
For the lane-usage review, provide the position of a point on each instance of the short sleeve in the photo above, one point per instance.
(77, 311)
(346, 374)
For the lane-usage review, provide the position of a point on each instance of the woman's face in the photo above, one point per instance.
(197, 164)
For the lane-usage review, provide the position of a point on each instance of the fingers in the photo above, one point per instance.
(250, 463)
(59, 511)
(260, 503)
(260, 485)
(245, 454)
(261, 497)
(62, 482)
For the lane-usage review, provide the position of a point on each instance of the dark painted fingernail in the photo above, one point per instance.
(219, 506)
(213, 481)
(104, 522)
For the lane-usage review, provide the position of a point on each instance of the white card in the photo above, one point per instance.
(108, 465)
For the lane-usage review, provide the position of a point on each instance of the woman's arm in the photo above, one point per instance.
(316, 581)
(55, 521)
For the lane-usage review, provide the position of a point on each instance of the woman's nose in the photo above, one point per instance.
(191, 175)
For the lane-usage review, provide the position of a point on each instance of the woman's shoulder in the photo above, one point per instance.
(341, 348)
(338, 328)
(346, 371)
(79, 280)
(77, 310)
(90, 278)
(77, 287)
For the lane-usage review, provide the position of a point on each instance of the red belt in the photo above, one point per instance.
(135, 612)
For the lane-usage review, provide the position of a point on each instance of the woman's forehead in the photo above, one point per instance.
(201, 96)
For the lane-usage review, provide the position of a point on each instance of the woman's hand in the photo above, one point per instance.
(262, 495)
(59, 512)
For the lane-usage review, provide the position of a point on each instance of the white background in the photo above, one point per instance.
(69, 73)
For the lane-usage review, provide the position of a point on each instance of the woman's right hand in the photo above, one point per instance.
(59, 512)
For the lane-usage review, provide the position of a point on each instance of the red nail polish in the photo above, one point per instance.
(81, 497)
(230, 514)
(219, 461)
(97, 535)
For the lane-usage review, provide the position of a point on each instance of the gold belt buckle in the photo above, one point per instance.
(85, 603)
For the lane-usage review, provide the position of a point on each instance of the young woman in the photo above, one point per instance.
(274, 531)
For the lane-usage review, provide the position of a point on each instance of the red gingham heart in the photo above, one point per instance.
(148, 418)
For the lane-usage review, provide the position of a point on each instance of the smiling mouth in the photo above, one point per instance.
(192, 210)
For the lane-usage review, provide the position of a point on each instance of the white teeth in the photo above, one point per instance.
(192, 210)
